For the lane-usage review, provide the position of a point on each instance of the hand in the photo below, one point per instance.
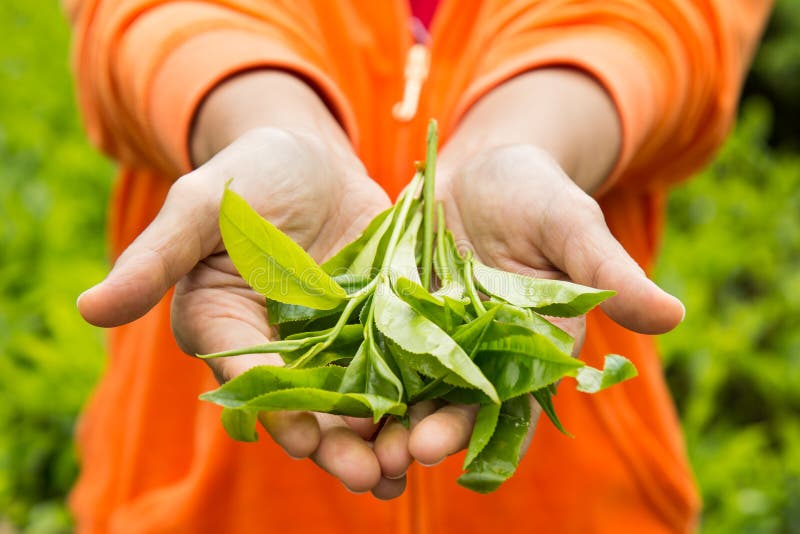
(518, 210)
(314, 189)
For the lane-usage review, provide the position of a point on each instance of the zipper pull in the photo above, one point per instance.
(416, 72)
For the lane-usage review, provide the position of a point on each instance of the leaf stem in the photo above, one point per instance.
(364, 291)
(427, 198)
(399, 223)
(283, 345)
(441, 253)
(470, 283)
(329, 338)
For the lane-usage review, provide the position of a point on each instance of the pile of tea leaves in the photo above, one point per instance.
(401, 316)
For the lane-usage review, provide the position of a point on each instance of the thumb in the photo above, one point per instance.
(590, 255)
(183, 233)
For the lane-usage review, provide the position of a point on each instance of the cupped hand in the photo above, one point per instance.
(518, 211)
(322, 198)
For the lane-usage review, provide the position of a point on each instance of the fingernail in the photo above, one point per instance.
(423, 464)
(353, 491)
(683, 306)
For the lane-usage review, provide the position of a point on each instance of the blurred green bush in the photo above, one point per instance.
(53, 196)
(732, 252)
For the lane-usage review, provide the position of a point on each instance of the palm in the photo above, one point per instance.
(301, 191)
(322, 199)
(510, 206)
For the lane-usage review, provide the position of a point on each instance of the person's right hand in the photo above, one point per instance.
(314, 189)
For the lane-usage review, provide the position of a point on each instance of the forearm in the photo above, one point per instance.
(562, 111)
(258, 99)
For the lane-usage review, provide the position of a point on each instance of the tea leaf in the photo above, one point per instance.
(270, 262)
(531, 320)
(333, 402)
(267, 388)
(517, 360)
(446, 315)
(544, 397)
(361, 251)
(370, 373)
(249, 385)
(616, 369)
(404, 261)
(240, 424)
(280, 313)
(499, 458)
(417, 335)
(549, 297)
(485, 423)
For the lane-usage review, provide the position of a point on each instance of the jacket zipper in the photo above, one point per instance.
(417, 67)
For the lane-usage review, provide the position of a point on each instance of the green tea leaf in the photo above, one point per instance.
(281, 345)
(549, 297)
(445, 315)
(404, 260)
(465, 396)
(349, 333)
(616, 369)
(270, 262)
(333, 402)
(344, 346)
(280, 313)
(417, 335)
(255, 382)
(370, 373)
(267, 388)
(518, 361)
(544, 397)
(361, 251)
(240, 424)
(412, 381)
(531, 320)
(448, 265)
(469, 336)
(500, 457)
(485, 423)
(321, 358)
(517, 339)
(428, 197)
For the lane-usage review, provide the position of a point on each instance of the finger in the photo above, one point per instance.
(363, 426)
(346, 456)
(183, 232)
(443, 433)
(579, 243)
(419, 411)
(388, 489)
(391, 449)
(297, 433)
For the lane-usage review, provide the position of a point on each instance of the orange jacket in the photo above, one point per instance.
(155, 459)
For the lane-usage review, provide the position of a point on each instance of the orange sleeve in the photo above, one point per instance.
(144, 66)
(673, 68)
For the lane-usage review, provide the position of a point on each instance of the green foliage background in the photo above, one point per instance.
(732, 253)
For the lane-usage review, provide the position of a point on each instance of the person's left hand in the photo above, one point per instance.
(516, 209)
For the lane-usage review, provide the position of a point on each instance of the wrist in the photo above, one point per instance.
(264, 99)
(564, 112)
